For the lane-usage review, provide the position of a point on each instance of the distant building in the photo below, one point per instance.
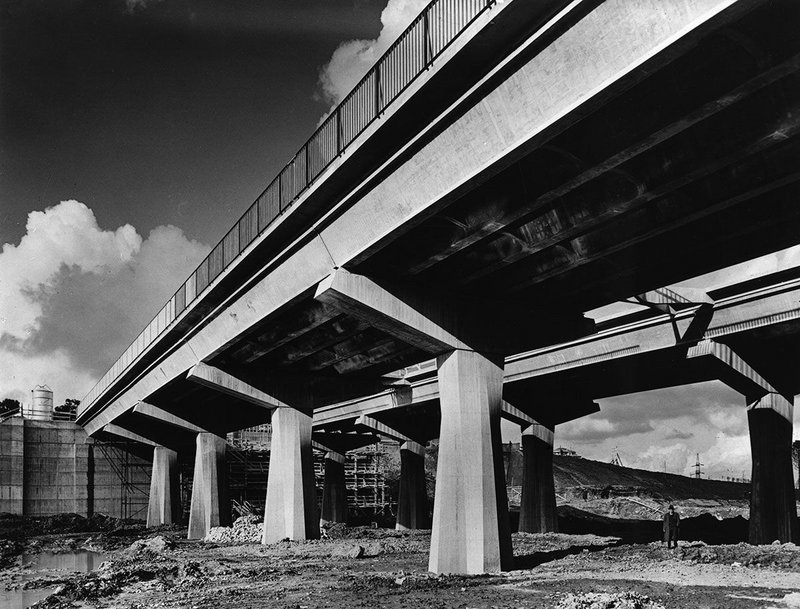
(565, 452)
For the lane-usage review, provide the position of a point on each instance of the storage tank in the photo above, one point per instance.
(41, 403)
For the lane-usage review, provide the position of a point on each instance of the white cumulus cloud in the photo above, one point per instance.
(353, 59)
(73, 296)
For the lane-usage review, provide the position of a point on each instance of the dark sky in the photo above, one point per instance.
(166, 112)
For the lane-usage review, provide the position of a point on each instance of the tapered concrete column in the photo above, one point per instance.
(334, 493)
(537, 510)
(470, 532)
(412, 501)
(773, 511)
(165, 494)
(210, 506)
(291, 509)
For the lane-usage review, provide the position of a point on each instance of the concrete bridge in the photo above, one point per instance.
(503, 169)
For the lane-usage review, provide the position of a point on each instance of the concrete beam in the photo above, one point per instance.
(121, 432)
(423, 323)
(515, 415)
(161, 415)
(669, 299)
(541, 433)
(382, 429)
(212, 377)
(733, 370)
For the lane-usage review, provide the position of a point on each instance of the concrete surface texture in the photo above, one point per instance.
(51, 467)
(470, 531)
(334, 493)
(165, 493)
(209, 506)
(537, 511)
(412, 499)
(773, 512)
(573, 175)
(291, 497)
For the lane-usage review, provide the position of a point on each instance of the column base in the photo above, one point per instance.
(470, 532)
(537, 511)
(210, 506)
(773, 511)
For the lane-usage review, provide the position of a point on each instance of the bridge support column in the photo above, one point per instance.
(773, 511)
(537, 511)
(209, 506)
(291, 496)
(470, 532)
(334, 494)
(165, 497)
(412, 502)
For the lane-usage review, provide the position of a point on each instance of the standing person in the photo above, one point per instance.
(672, 522)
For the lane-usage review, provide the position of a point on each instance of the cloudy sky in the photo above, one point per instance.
(134, 132)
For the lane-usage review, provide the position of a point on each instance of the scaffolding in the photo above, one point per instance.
(133, 497)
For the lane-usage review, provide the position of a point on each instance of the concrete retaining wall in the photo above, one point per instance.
(51, 467)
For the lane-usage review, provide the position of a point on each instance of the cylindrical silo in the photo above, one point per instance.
(41, 403)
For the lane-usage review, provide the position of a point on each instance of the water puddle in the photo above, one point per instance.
(21, 599)
(82, 561)
(39, 565)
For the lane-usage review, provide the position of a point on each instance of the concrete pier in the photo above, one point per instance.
(334, 494)
(291, 509)
(470, 531)
(209, 506)
(165, 493)
(537, 511)
(412, 501)
(773, 511)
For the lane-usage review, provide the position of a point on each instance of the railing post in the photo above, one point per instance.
(280, 191)
(377, 89)
(426, 34)
(308, 167)
(338, 130)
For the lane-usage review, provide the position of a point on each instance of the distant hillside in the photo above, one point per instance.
(572, 474)
(586, 479)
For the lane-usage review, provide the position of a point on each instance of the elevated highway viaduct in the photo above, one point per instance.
(506, 167)
(746, 335)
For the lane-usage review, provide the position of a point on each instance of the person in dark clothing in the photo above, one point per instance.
(672, 522)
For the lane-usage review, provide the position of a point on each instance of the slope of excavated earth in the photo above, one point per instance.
(387, 568)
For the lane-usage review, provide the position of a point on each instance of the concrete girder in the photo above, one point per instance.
(423, 322)
(342, 442)
(515, 415)
(668, 300)
(733, 370)
(212, 377)
(121, 432)
(163, 416)
(614, 158)
(384, 430)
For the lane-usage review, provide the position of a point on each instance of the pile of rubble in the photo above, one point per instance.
(245, 529)
(604, 600)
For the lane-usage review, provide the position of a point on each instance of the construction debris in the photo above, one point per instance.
(604, 600)
(245, 529)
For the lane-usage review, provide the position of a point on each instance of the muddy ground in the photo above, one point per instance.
(364, 567)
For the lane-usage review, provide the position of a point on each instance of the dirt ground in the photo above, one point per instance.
(363, 567)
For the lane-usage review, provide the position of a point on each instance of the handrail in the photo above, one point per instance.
(434, 29)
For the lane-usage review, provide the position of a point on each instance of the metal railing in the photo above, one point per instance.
(439, 24)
